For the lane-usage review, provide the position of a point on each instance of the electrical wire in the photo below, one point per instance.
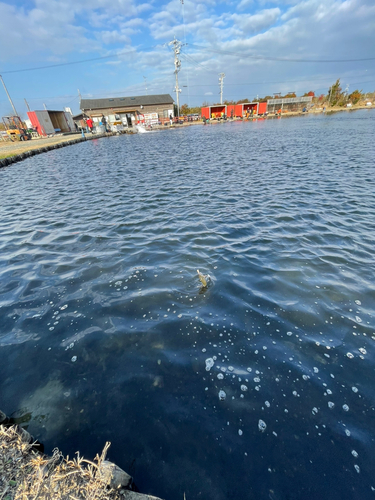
(282, 59)
(82, 61)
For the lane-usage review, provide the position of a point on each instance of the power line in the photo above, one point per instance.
(282, 59)
(111, 56)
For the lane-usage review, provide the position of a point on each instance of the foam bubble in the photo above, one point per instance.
(209, 364)
(262, 425)
(222, 395)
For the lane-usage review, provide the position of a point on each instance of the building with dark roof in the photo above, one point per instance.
(122, 108)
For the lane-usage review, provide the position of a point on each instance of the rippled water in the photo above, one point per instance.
(259, 386)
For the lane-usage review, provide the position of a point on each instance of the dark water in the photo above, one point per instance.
(105, 333)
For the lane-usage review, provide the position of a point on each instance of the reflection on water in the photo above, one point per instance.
(259, 387)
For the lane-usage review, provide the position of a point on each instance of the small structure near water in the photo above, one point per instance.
(234, 110)
(48, 122)
(288, 104)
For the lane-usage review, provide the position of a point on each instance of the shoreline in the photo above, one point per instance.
(26, 472)
(14, 152)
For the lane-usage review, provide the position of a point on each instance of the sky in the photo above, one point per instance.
(52, 50)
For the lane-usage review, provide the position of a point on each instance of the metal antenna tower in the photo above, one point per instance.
(221, 83)
(177, 66)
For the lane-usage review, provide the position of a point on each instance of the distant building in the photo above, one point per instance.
(79, 121)
(128, 110)
(288, 104)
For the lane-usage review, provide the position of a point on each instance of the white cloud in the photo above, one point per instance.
(254, 23)
(245, 3)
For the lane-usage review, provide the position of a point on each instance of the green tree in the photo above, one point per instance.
(335, 95)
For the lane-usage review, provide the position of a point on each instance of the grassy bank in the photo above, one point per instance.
(26, 474)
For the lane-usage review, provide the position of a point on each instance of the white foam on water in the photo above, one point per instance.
(222, 395)
(331, 405)
(354, 453)
(345, 407)
(262, 425)
(244, 388)
(74, 359)
(209, 364)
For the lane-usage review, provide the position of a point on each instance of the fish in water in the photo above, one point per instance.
(203, 278)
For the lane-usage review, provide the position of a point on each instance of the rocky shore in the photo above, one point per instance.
(17, 151)
(26, 473)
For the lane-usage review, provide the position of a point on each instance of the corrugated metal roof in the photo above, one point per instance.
(116, 102)
(290, 100)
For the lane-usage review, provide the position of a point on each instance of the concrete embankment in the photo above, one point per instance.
(17, 151)
(27, 473)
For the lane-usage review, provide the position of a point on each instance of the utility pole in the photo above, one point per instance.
(221, 83)
(45, 107)
(177, 66)
(27, 104)
(10, 100)
(79, 94)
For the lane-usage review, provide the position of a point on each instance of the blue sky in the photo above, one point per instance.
(262, 46)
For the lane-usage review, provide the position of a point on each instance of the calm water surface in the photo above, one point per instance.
(260, 386)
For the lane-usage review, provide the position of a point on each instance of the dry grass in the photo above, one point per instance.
(25, 474)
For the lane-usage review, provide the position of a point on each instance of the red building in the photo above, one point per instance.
(234, 110)
(214, 111)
